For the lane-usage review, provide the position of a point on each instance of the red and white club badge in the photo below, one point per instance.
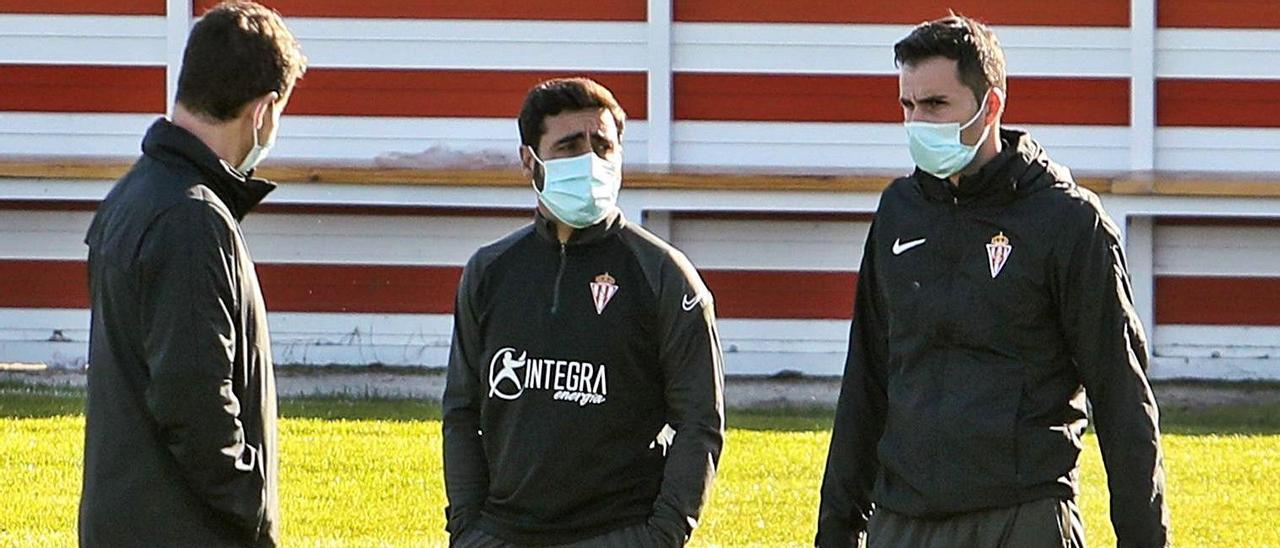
(602, 291)
(998, 253)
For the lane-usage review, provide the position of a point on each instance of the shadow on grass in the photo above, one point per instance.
(27, 401)
(20, 401)
(32, 402)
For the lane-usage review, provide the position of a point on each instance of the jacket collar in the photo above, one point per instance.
(1015, 170)
(170, 144)
(610, 225)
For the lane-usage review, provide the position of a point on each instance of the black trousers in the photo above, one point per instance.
(1045, 523)
(636, 536)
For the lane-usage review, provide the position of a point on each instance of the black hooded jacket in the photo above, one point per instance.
(180, 433)
(983, 313)
(567, 361)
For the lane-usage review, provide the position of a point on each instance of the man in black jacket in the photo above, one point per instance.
(583, 404)
(180, 433)
(993, 292)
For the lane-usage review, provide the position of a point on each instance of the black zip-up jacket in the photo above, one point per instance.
(567, 362)
(982, 314)
(180, 422)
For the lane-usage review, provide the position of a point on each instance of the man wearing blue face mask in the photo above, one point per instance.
(993, 293)
(180, 422)
(583, 404)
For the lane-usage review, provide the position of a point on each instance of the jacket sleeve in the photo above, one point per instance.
(693, 375)
(852, 463)
(1107, 343)
(466, 472)
(189, 273)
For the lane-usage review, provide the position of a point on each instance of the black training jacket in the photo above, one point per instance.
(982, 314)
(567, 362)
(180, 422)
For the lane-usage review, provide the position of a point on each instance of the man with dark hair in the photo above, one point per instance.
(993, 292)
(180, 433)
(583, 405)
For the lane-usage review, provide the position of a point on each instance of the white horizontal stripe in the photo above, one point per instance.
(1218, 53)
(27, 324)
(1218, 149)
(331, 193)
(1237, 341)
(73, 134)
(868, 49)
(870, 146)
(1227, 369)
(288, 238)
(46, 235)
(814, 347)
(1249, 251)
(774, 245)
(373, 240)
(82, 39)
(401, 142)
(454, 44)
(419, 142)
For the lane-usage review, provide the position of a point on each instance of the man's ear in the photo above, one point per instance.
(530, 167)
(995, 105)
(262, 108)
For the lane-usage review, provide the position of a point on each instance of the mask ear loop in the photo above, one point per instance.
(539, 180)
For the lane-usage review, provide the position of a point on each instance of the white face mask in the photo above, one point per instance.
(580, 190)
(258, 153)
(937, 148)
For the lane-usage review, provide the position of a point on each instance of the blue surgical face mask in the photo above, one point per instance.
(937, 148)
(258, 153)
(579, 191)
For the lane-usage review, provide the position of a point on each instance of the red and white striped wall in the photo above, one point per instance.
(1217, 283)
(784, 84)
(366, 273)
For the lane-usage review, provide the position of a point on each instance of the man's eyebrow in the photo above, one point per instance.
(571, 138)
(930, 99)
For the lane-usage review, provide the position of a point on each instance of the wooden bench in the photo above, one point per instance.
(1234, 184)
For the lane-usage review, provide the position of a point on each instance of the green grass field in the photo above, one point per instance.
(367, 472)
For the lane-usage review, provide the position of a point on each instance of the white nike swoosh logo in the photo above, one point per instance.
(687, 304)
(899, 247)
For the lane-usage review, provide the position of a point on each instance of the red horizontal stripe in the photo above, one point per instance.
(443, 93)
(867, 98)
(1222, 14)
(786, 98)
(62, 88)
(49, 205)
(387, 289)
(569, 10)
(1217, 103)
(1082, 13)
(389, 210)
(84, 7)
(391, 289)
(286, 287)
(779, 294)
(815, 216)
(43, 284)
(1190, 300)
(1217, 300)
(1267, 222)
(364, 210)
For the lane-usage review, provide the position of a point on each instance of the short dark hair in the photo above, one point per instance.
(976, 50)
(237, 51)
(552, 97)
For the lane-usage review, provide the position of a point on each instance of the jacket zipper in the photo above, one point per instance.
(555, 295)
